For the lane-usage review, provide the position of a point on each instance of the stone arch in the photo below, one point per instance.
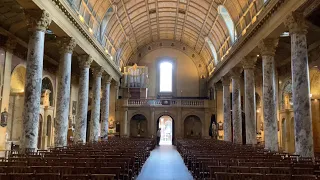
(173, 116)
(190, 52)
(286, 94)
(16, 99)
(136, 113)
(192, 127)
(174, 121)
(167, 129)
(18, 77)
(198, 114)
(138, 126)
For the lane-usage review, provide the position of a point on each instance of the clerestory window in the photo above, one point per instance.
(166, 77)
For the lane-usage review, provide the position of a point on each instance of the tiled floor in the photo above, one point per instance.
(164, 163)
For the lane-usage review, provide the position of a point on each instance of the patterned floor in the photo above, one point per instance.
(164, 163)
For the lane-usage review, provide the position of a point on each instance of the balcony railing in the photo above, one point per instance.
(197, 103)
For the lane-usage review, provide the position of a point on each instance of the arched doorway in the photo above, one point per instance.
(138, 126)
(165, 122)
(16, 103)
(40, 131)
(192, 127)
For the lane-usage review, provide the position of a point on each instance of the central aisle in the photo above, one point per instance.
(164, 163)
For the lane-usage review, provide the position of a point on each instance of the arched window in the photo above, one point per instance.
(105, 21)
(229, 23)
(166, 77)
(213, 50)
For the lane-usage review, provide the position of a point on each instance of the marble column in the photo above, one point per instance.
(66, 45)
(95, 105)
(83, 96)
(300, 85)
(236, 105)
(250, 100)
(226, 109)
(38, 22)
(106, 81)
(268, 49)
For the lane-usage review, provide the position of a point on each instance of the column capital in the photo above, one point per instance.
(235, 73)
(107, 78)
(249, 62)
(296, 23)
(225, 80)
(11, 44)
(97, 71)
(268, 46)
(85, 61)
(66, 44)
(38, 20)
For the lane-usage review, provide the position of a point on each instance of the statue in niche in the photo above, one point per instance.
(45, 97)
(140, 130)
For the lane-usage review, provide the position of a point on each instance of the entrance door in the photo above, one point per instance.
(166, 125)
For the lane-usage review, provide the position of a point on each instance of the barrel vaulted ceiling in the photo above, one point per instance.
(124, 26)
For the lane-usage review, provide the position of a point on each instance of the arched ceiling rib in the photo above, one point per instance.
(136, 23)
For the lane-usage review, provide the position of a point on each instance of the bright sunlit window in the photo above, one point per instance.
(229, 22)
(165, 77)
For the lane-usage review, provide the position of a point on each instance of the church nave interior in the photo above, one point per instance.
(160, 89)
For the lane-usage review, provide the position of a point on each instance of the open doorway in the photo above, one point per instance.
(166, 125)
